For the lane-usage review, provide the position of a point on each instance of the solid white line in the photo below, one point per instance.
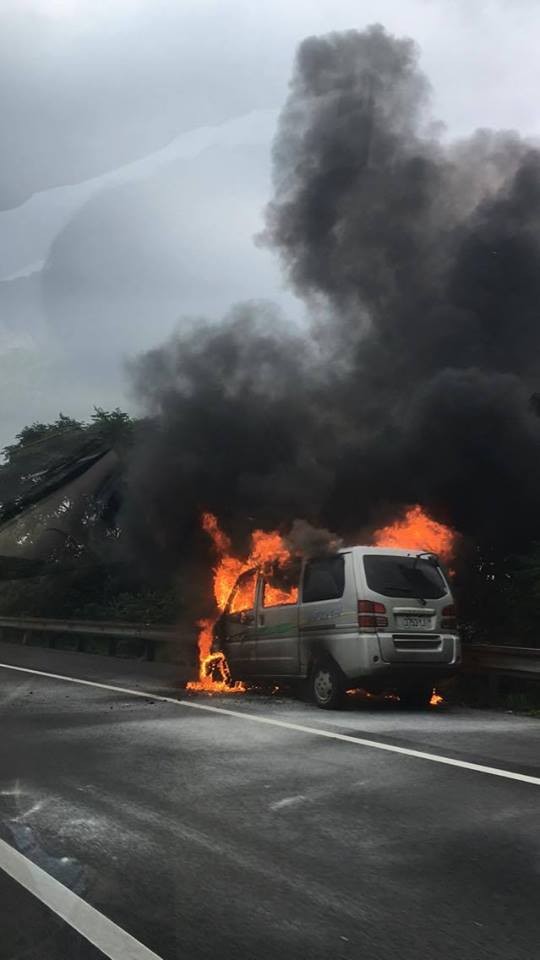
(287, 725)
(86, 920)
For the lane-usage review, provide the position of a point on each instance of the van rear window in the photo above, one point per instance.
(324, 579)
(395, 576)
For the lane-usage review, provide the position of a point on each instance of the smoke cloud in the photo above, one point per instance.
(420, 263)
(308, 541)
(237, 432)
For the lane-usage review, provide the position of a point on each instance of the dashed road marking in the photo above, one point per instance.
(287, 802)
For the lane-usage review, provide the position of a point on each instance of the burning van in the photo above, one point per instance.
(371, 617)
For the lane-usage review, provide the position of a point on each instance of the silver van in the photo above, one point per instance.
(370, 617)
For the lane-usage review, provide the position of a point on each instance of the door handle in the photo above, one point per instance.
(261, 619)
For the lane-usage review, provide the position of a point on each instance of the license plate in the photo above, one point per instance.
(414, 623)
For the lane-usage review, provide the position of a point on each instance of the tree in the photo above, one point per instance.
(37, 433)
(44, 453)
(116, 426)
(61, 533)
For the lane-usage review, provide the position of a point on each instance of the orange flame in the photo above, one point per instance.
(417, 531)
(214, 674)
(266, 550)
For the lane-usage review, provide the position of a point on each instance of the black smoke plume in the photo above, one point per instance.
(420, 263)
(237, 427)
(305, 540)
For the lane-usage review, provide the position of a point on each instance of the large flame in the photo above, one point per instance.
(267, 549)
(417, 531)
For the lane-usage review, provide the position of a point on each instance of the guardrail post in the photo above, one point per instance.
(149, 648)
(493, 689)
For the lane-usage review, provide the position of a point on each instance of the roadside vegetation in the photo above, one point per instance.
(79, 536)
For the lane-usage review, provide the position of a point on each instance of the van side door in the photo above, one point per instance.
(277, 653)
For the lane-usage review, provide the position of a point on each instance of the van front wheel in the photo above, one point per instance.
(327, 685)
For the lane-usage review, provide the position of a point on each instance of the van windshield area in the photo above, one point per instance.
(395, 576)
(242, 596)
(280, 584)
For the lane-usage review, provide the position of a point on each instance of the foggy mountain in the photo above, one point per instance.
(135, 257)
(85, 95)
(138, 256)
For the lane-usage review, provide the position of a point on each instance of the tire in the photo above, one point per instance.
(417, 698)
(327, 685)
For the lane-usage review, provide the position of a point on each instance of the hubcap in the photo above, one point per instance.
(323, 685)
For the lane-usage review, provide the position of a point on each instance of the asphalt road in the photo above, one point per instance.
(211, 836)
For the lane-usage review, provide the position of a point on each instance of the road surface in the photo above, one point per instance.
(174, 831)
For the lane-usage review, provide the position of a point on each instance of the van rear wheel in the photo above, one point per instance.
(327, 686)
(417, 698)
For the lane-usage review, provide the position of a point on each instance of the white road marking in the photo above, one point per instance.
(287, 802)
(114, 942)
(287, 725)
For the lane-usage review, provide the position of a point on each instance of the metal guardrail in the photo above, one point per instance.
(496, 662)
(147, 635)
(522, 661)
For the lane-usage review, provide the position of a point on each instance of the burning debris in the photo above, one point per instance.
(214, 673)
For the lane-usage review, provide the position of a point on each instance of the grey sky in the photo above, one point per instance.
(136, 163)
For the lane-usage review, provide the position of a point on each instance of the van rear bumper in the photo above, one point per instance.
(418, 648)
(365, 657)
(399, 676)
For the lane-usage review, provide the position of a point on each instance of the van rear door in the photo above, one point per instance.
(415, 594)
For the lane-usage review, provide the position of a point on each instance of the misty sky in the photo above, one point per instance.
(135, 164)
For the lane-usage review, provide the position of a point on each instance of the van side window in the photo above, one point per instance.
(280, 585)
(324, 579)
(243, 593)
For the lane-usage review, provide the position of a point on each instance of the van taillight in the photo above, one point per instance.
(448, 618)
(371, 615)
